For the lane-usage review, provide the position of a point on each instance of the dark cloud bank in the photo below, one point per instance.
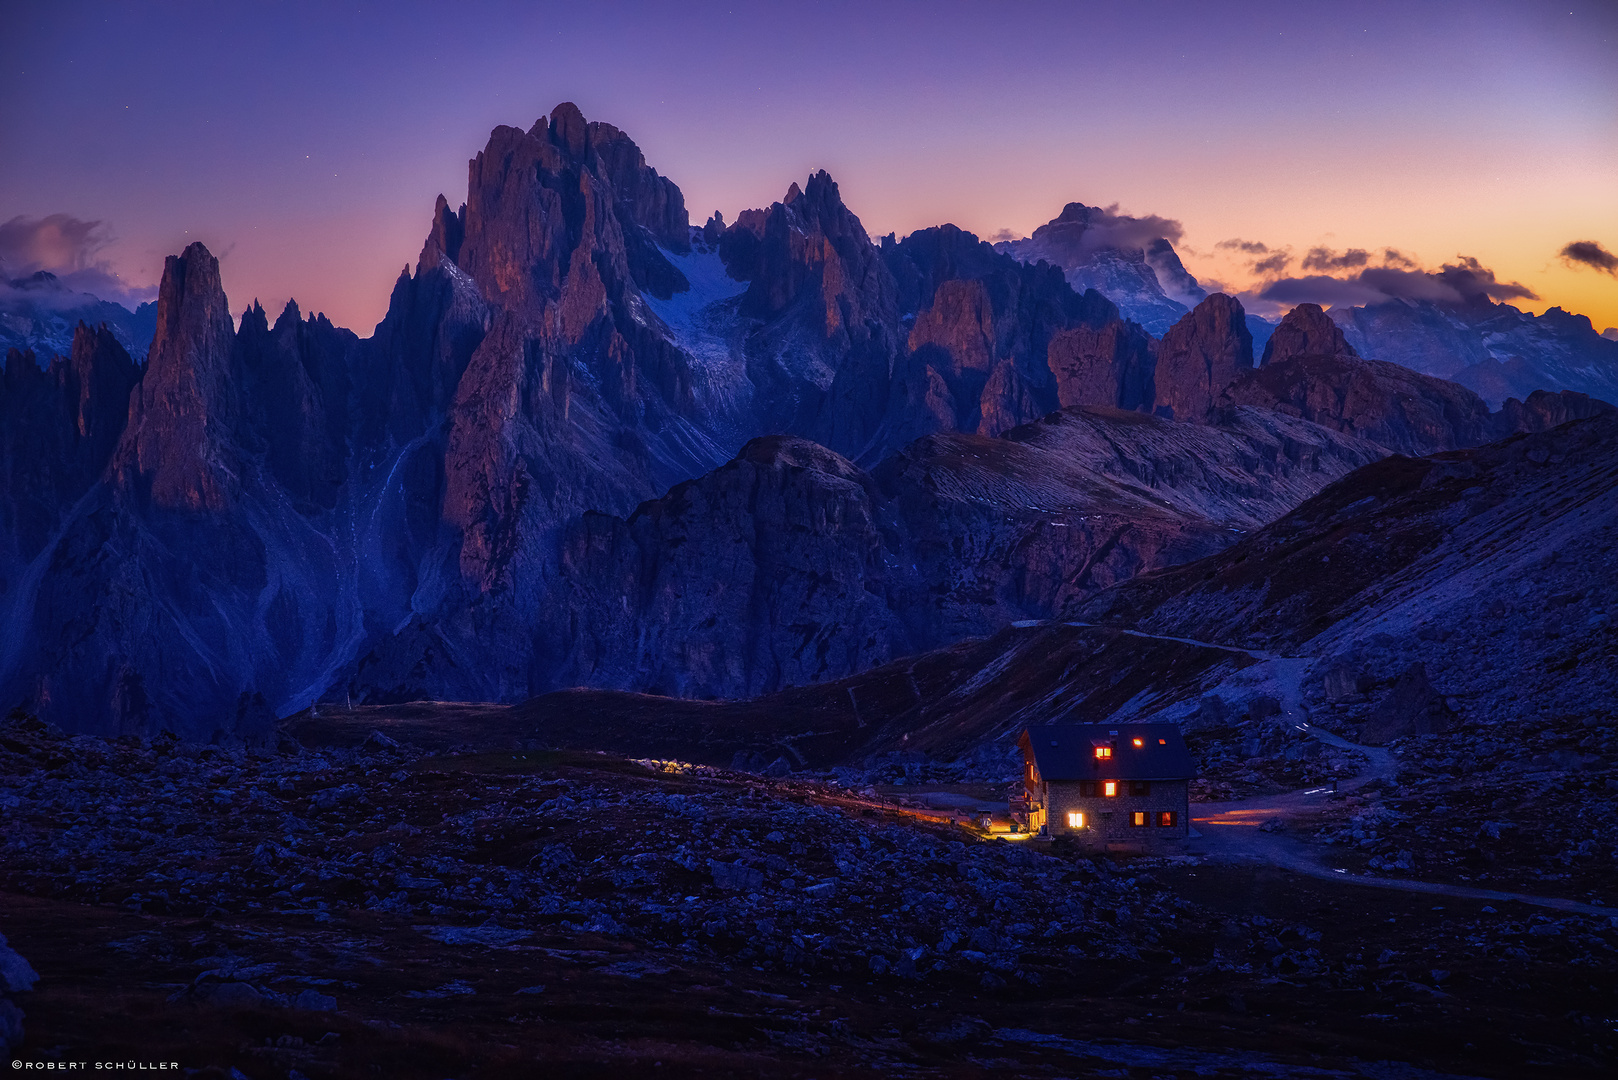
(1348, 278)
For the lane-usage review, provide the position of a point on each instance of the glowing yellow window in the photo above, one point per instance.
(1162, 742)
(1110, 788)
(1103, 751)
(1138, 818)
(1139, 742)
(1075, 821)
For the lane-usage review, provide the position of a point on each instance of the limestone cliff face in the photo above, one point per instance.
(1112, 365)
(564, 226)
(179, 451)
(296, 399)
(1201, 355)
(58, 429)
(977, 355)
(1306, 331)
(187, 587)
(1389, 405)
(1545, 410)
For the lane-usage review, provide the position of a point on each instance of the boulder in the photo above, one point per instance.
(1411, 707)
(16, 974)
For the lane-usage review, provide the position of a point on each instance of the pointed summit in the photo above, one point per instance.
(444, 239)
(186, 404)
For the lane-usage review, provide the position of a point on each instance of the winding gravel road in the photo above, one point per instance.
(1233, 831)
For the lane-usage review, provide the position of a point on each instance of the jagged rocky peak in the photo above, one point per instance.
(298, 377)
(643, 197)
(1177, 281)
(186, 407)
(568, 213)
(444, 239)
(1201, 355)
(810, 242)
(1306, 331)
(713, 229)
(1060, 241)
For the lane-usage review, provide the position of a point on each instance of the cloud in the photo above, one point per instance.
(1472, 279)
(1591, 254)
(1322, 289)
(1395, 257)
(1321, 258)
(1462, 282)
(1267, 262)
(1275, 263)
(1132, 232)
(1107, 227)
(71, 248)
(1002, 236)
(1248, 247)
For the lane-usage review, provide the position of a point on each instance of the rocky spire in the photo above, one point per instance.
(179, 422)
(1306, 331)
(444, 239)
(1200, 356)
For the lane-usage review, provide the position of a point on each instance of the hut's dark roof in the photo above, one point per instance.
(1067, 752)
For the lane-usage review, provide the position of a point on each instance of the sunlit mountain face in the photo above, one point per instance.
(754, 595)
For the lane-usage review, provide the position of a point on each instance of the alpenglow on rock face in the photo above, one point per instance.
(591, 445)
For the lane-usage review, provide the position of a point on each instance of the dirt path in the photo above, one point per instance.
(1255, 654)
(1233, 832)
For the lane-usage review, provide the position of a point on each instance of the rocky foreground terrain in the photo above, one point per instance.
(375, 909)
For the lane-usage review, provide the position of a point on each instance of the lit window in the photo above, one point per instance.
(1138, 818)
(1103, 751)
(1165, 818)
(1162, 742)
(1139, 742)
(1075, 821)
(1110, 788)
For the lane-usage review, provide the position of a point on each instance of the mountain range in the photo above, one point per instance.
(593, 445)
(1491, 348)
(38, 313)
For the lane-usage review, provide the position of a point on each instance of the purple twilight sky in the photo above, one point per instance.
(304, 143)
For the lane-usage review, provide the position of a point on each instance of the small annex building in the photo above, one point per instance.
(1106, 783)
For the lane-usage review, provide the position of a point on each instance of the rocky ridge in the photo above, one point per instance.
(39, 314)
(284, 512)
(1495, 350)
